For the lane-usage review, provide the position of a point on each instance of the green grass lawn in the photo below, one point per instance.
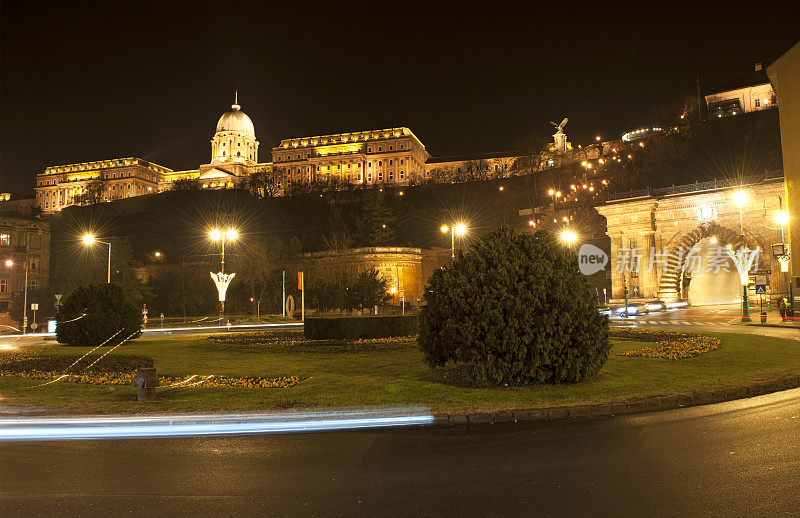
(393, 375)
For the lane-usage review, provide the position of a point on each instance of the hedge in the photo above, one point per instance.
(320, 328)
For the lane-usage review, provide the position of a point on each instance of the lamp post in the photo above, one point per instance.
(782, 218)
(89, 240)
(10, 264)
(457, 228)
(221, 279)
(569, 237)
(741, 197)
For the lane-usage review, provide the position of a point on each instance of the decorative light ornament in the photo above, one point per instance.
(222, 281)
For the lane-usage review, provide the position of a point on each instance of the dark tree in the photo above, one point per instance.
(514, 310)
(93, 193)
(186, 184)
(325, 295)
(265, 182)
(369, 289)
(377, 221)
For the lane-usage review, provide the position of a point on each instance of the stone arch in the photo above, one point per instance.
(668, 286)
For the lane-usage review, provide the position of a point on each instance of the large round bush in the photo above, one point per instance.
(92, 314)
(514, 310)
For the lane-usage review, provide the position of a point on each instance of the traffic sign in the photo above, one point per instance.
(761, 289)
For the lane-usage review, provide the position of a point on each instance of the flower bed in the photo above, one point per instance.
(124, 378)
(119, 370)
(671, 345)
(296, 339)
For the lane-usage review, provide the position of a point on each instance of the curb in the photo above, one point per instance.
(779, 326)
(636, 406)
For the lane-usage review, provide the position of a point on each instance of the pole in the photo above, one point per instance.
(222, 270)
(108, 279)
(745, 295)
(625, 284)
(699, 101)
(258, 312)
(25, 296)
(790, 307)
(453, 242)
(283, 303)
(404, 305)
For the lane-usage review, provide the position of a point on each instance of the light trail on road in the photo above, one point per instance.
(183, 425)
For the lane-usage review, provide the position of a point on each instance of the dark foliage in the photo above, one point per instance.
(325, 295)
(360, 327)
(106, 309)
(368, 289)
(515, 310)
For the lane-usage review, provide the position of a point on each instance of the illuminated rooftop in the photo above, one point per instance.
(345, 138)
(106, 164)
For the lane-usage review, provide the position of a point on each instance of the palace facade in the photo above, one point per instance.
(391, 155)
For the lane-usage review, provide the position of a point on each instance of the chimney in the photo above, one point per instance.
(758, 67)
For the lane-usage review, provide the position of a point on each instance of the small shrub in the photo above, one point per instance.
(92, 314)
(360, 327)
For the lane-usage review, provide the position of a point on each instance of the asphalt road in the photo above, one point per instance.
(722, 319)
(732, 459)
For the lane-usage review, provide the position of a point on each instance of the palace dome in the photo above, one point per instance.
(236, 120)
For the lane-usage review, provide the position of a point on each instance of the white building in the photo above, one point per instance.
(745, 94)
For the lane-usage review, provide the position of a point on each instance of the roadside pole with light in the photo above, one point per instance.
(10, 264)
(221, 279)
(782, 255)
(569, 237)
(457, 228)
(741, 197)
(89, 240)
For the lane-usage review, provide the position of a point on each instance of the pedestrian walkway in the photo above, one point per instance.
(731, 322)
(719, 322)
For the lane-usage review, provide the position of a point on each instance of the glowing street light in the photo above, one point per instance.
(89, 240)
(782, 218)
(742, 259)
(10, 264)
(569, 237)
(457, 228)
(222, 280)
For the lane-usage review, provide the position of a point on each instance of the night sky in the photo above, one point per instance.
(84, 82)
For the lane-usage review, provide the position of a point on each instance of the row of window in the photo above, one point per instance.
(390, 176)
(33, 284)
(288, 157)
(112, 176)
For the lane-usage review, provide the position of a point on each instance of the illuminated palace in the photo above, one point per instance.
(393, 155)
(234, 154)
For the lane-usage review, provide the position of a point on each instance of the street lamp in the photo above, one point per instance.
(89, 240)
(741, 197)
(221, 279)
(10, 264)
(568, 237)
(782, 218)
(457, 228)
